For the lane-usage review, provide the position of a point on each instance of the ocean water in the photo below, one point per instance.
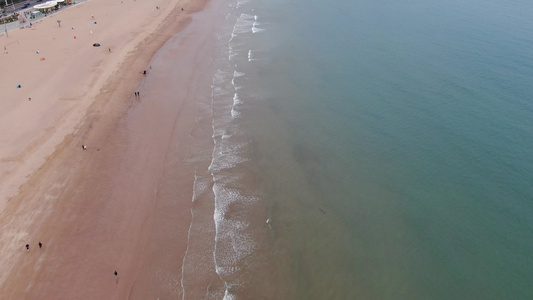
(372, 150)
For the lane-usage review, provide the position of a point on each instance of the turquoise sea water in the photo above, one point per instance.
(375, 150)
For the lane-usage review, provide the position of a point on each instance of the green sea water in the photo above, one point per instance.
(392, 143)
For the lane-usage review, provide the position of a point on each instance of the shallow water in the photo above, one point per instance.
(372, 150)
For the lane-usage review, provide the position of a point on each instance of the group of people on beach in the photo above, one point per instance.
(28, 246)
(35, 53)
(41, 246)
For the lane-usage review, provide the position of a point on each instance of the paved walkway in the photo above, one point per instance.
(17, 25)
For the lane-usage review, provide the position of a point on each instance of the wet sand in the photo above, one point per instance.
(105, 208)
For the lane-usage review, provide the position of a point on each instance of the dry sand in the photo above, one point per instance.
(96, 211)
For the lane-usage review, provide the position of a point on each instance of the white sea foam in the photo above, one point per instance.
(251, 56)
(225, 158)
(236, 101)
(244, 24)
(234, 51)
(234, 242)
(229, 296)
(241, 3)
(256, 30)
(218, 78)
(231, 53)
(237, 74)
(188, 237)
(233, 239)
(235, 113)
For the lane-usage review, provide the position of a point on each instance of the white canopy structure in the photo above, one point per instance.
(45, 5)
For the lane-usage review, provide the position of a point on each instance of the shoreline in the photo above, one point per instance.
(74, 199)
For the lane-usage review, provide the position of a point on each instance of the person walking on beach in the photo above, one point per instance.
(83, 147)
(40, 245)
(27, 247)
(116, 275)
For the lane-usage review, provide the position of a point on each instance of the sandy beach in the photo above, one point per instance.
(102, 209)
